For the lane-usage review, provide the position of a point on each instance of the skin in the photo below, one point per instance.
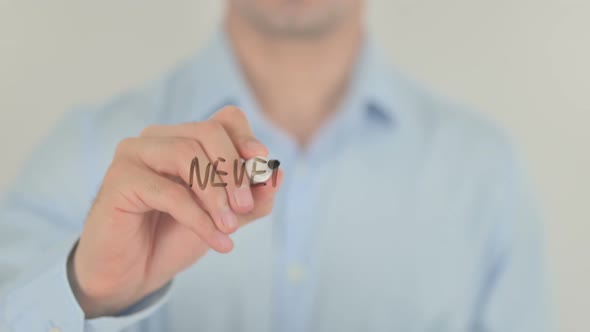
(146, 224)
(297, 56)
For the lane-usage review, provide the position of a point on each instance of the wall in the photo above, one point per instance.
(524, 62)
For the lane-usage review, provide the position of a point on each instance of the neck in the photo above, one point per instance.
(297, 83)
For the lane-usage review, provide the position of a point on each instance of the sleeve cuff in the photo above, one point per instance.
(46, 302)
(135, 313)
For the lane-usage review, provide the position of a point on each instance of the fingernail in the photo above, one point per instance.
(229, 219)
(244, 198)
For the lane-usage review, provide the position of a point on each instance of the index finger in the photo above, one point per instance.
(237, 126)
(234, 122)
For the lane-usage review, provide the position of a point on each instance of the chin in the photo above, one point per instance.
(295, 18)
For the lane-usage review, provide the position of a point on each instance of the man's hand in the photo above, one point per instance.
(146, 224)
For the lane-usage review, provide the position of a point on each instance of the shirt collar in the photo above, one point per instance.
(371, 84)
(219, 81)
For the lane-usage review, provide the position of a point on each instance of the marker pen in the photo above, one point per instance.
(260, 169)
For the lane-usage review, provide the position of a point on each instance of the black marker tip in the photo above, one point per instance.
(273, 164)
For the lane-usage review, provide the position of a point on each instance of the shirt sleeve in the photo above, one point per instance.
(41, 217)
(515, 292)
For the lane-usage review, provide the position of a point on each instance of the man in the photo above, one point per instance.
(394, 210)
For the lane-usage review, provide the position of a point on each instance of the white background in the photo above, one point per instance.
(524, 62)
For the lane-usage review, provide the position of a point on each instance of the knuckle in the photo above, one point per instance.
(153, 188)
(173, 191)
(117, 170)
(211, 127)
(149, 130)
(221, 202)
(124, 146)
(188, 147)
(233, 111)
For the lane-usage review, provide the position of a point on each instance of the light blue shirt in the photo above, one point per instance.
(406, 213)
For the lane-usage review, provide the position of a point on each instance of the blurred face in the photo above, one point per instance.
(297, 18)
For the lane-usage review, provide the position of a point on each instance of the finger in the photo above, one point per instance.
(232, 119)
(185, 158)
(146, 191)
(220, 148)
(264, 196)
(236, 124)
(218, 143)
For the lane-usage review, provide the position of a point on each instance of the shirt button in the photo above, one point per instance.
(54, 329)
(296, 273)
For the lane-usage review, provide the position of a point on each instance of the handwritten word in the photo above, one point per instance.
(212, 169)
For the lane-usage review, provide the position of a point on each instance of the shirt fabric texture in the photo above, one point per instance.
(405, 213)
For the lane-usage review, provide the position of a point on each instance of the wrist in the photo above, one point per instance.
(92, 305)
